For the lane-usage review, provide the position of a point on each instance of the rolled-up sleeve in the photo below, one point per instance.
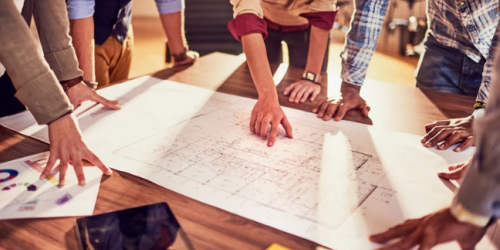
(248, 18)
(78, 9)
(169, 6)
(321, 14)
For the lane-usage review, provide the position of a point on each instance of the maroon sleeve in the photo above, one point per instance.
(245, 24)
(323, 20)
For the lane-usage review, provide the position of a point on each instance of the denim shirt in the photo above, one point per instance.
(113, 17)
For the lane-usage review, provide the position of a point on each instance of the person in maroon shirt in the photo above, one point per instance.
(261, 26)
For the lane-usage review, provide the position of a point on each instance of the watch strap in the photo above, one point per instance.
(66, 85)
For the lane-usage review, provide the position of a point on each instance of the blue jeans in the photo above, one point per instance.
(448, 70)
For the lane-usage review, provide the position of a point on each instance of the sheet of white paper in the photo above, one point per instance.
(334, 183)
(24, 195)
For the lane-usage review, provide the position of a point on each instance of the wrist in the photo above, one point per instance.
(350, 86)
(312, 76)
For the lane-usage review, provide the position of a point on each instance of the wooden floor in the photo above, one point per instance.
(386, 65)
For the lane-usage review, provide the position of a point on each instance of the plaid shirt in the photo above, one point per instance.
(467, 25)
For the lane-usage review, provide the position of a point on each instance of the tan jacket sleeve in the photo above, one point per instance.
(52, 22)
(37, 86)
(247, 6)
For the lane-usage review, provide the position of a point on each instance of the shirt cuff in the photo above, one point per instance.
(463, 215)
(44, 98)
(323, 20)
(80, 9)
(245, 24)
(169, 6)
(352, 75)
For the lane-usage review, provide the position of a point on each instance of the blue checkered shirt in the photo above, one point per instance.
(467, 25)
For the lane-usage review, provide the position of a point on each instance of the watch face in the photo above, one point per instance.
(310, 76)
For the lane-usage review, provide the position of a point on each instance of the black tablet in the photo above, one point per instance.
(142, 228)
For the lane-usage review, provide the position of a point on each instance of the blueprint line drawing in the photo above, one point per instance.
(216, 149)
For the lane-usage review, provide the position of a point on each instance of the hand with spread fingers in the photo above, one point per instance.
(267, 111)
(456, 171)
(301, 91)
(338, 107)
(446, 133)
(67, 147)
(429, 231)
(81, 93)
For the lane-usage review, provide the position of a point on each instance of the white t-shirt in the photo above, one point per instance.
(19, 4)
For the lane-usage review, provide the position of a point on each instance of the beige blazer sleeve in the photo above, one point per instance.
(37, 86)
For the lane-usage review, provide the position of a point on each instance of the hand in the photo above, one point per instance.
(80, 93)
(456, 171)
(67, 146)
(268, 111)
(192, 56)
(449, 132)
(301, 90)
(429, 231)
(350, 99)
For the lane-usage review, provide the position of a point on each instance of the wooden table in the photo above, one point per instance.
(400, 108)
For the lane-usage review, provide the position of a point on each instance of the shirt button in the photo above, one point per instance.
(461, 3)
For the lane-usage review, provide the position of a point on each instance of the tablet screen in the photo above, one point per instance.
(142, 228)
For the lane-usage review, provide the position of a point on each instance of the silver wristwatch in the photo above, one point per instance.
(312, 77)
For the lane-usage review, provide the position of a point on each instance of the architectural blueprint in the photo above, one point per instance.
(334, 183)
(24, 195)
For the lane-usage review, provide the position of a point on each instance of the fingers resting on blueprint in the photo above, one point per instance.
(447, 133)
(429, 231)
(267, 114)
(81, 93)
(337, 107)
(67, 147)
(300, 91)
(456, 171)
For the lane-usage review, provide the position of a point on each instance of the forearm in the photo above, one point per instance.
(37, 87)
(173, 25)
(82, 32)
(318, 43)
(255, 51)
